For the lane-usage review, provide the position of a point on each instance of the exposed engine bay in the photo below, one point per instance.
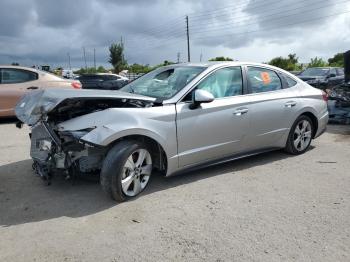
(63, 151)
(54, 151)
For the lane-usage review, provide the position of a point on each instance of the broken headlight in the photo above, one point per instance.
(77, 134)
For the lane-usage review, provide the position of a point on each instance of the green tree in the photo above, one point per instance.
(116, 57)
(165, 63)
(138, 68)
(337, 60)
(101, 69)
(290, 63)
(221, 58)
(317, 62)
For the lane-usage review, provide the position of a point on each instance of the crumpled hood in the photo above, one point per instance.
(36, 104)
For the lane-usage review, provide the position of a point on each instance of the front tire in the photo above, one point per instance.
(300, 136)
(126, 170)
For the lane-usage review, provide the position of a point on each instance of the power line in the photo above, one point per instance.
(278, 27)
(169, 36)
(223, 8)
(269, 9)
(156, 34)
(214, 27)
(229, 26)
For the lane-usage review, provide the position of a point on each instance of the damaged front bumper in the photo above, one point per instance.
(63, 152)
(67, 126)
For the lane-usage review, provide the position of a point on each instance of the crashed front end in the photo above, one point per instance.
(54, 151)
(57, 150)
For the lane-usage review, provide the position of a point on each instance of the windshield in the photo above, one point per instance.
(315, 72)
(163, 82)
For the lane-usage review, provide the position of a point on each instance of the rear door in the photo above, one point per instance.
(13, 84)
(274, 104)
(213, 130)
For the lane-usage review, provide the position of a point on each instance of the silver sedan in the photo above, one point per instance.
(172, 119)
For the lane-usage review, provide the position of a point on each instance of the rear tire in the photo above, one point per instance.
(126, 170)
(300, 136)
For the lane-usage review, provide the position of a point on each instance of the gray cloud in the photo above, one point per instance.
(63, 13)
(44, 31)
(13, 16)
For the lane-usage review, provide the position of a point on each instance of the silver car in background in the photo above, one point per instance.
(173, 119)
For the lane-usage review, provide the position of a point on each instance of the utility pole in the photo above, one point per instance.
(188, 41)
(178, 57)
(70, 67)
(95, 59)
(85, 58)
(201, 56)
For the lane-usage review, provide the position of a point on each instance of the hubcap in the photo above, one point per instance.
(302, 135)
(136, 172)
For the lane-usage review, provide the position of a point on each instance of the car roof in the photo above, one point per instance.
(217, 64)
(22, 67)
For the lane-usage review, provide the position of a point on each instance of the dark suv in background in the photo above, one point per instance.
(322, 77)
(103, 81)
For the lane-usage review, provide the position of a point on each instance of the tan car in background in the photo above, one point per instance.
(15, 81)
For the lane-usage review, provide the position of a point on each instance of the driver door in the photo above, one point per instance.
(213, 130)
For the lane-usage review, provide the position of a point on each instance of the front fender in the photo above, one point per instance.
(112, 124)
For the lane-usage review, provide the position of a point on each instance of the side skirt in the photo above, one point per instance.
(209, 163)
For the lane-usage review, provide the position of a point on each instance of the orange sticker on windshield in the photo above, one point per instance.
(265, 78)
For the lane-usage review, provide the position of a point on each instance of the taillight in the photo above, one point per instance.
(324, 96)
(76, 85)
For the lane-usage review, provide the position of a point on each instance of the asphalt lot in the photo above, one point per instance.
(271, 207)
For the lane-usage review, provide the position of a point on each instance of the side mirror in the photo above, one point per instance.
(201, 96)
(332, 75)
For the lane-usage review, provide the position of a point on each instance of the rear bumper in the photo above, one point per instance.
(322, 124)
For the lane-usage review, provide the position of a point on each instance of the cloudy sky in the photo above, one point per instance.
(45, 31)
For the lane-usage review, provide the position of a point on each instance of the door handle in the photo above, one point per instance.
(241, 111)
(290, 104)
(32, 87)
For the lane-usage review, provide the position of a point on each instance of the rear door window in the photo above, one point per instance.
(263, 80)
(13, 76)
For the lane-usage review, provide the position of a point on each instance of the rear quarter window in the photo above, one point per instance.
(290, 82)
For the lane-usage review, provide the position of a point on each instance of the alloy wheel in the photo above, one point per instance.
(302, 135)
(136, 172)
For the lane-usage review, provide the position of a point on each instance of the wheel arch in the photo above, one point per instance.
(314, 121)
(157, 151)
